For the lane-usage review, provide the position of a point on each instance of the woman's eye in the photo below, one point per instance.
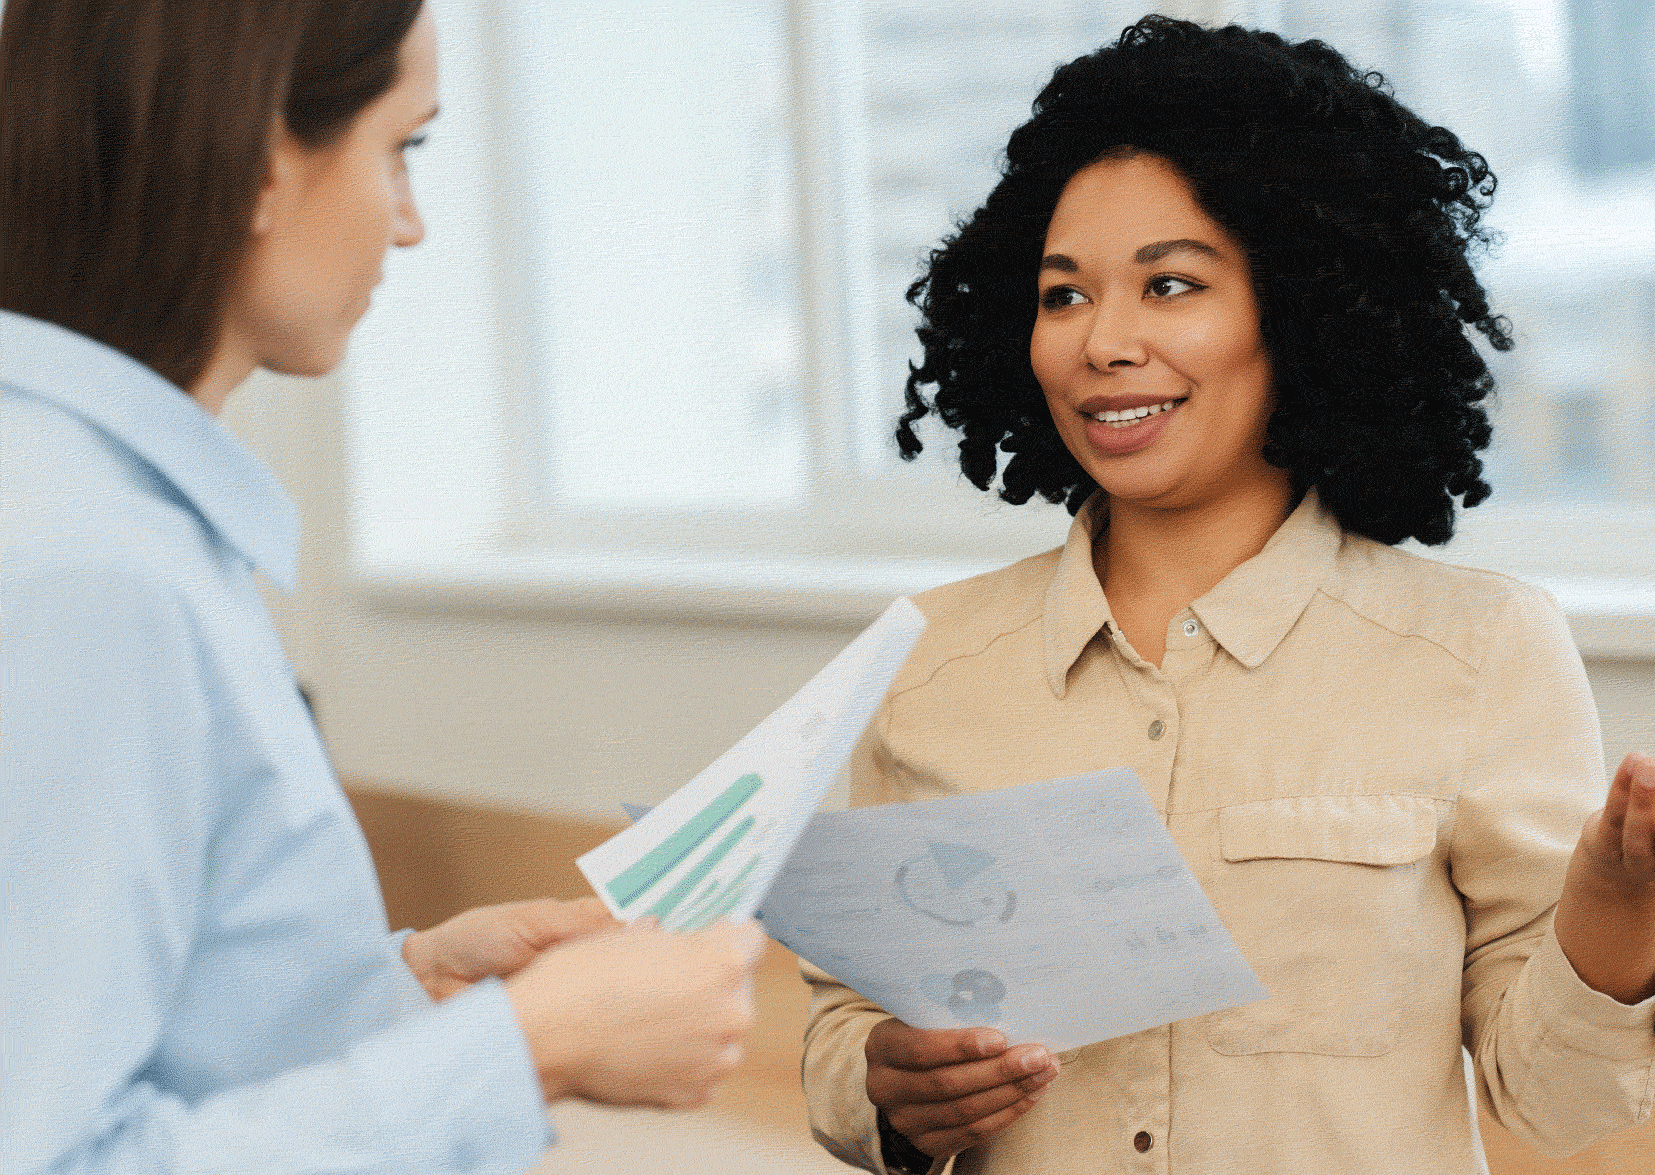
(409, 144)
(1059, 296)
(1166, 286)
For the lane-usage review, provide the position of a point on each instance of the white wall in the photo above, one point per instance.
(550, 712)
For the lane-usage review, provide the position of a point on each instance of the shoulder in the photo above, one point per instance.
(966, 617)
(1467, 612)
(82, 510)
(104, 562)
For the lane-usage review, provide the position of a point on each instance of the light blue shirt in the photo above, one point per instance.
(197, 972)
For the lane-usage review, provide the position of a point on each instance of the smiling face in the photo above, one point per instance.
(325, 219)
(1147, 341)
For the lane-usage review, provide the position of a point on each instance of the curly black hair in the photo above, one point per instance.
(1360, 222)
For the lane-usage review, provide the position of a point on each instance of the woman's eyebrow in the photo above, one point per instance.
(1150, 254)
(1147, 255)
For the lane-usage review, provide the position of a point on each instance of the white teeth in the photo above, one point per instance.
(1127, 417)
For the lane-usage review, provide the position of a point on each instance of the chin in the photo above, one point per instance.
(309, 362)
(1149, 482)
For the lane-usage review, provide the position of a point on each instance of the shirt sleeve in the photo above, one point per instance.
(410, 994)
(835, 1067)
(1558, 1064)
(110, 801)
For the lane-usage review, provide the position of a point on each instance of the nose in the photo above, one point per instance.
(1115, 339)
(407, 228)
(410, 229)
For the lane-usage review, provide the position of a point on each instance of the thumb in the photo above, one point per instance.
(745, 938)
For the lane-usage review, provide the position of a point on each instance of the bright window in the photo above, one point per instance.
(657, 333)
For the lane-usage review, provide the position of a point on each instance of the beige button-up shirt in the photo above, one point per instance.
(1377, 767)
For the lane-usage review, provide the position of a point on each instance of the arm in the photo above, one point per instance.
(1558, 1063)
(112, 800)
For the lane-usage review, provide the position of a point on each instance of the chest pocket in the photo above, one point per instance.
(1324, 895)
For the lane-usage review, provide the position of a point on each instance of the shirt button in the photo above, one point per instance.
(1191, 628)
(1143, 1140)
(1157, 728)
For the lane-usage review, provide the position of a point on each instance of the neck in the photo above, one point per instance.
(1154, 562)
(230, 364)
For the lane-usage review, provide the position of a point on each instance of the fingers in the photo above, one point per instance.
(548, 921)
(1026, 1067)
(947, 1090)
(1635, 788)
(1620, 795)
(915, 1118)
(746, 939)
(895, 1044)
(950, 1141)
(1621, 837)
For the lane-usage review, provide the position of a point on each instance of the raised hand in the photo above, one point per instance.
(949, 1089)
(1619, 841)
(1606, 916)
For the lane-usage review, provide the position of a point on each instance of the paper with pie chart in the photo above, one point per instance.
(711, 849)
(1058, 912)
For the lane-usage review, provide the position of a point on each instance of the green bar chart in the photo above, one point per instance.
(690, 880)
(638, 878)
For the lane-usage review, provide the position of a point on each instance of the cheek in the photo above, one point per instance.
(1213, 349)
(1052, 354)
(366, 210)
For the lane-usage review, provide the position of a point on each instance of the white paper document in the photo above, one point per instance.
(712, 848)
(1058, 912)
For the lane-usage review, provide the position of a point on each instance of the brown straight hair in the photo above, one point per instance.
(133, 140)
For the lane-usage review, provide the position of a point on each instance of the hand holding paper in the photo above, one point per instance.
(1059, 913)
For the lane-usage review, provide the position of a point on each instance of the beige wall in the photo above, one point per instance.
(559, 714)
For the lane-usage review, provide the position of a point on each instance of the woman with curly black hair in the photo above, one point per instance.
(1218, 305)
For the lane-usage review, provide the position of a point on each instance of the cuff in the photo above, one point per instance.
(446, 1091)
(477, 1076)
(409, 992)
(1585, 1018)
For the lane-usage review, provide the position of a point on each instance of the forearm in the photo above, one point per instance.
(434, 1093)
(1607, 932)
(834, 1071)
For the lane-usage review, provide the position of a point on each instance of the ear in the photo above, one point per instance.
(283, 171)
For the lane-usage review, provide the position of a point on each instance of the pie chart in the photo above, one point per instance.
(956, 884)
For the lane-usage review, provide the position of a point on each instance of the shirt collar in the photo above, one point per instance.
(1075, 608)
(1248, 612)
(240, 499)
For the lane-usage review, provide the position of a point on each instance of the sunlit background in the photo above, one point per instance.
(697, 224)
(609, 472)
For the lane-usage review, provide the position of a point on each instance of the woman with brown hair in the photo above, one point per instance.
(198, 972)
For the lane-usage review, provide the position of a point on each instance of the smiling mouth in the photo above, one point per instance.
(1127, 417)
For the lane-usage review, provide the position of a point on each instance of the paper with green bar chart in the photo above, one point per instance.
(711, 849)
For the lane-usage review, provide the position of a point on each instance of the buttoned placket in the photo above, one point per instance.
(1147, 1114)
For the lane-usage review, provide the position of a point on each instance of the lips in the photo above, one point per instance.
(1121, 425)
(1126, 417)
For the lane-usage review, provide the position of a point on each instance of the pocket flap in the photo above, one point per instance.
(1363, 830)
